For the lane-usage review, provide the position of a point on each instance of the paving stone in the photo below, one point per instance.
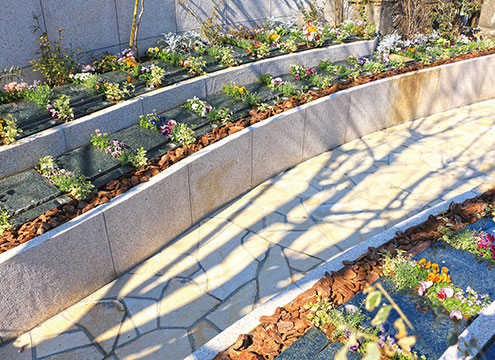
(101, 319)
(144, 313)
(88, 161)
(235, 307)
(85, 353)
(137, 136)
(168, 264)
(19, 349)
(52, 328)
(25, 190)
(61, 343)
(274, 275)
(300, 261)
(202, 333)
(159, 344)
(227, 264)
(184, 303)
(137, 285)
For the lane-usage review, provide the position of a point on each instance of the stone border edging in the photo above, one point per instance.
(153, 213)
(245, 325)
(25, 153)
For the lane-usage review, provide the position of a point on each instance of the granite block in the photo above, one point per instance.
(277, 144)
(172, 96)
(327, 121)
(92, 24)
(219, 173)
(368, 109)
(25, 153)
(53, 271)
(147, 217)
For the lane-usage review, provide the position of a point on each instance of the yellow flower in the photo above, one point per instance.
(311, 28)
(428, 265)
(445, 270)
(422, 261)
(435, 268)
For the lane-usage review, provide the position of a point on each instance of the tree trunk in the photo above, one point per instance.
(133, 28)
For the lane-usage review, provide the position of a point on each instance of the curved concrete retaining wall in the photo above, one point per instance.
(25, 153)
(71, 261)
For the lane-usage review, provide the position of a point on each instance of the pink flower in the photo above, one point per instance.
(448, 292)
(441, 295)
(456, 314)
(298, 77)
(424, 285)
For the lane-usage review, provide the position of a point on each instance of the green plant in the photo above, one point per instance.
(114, 92)
(14, 73)
(289, 45)
(87, 79)
(9, 129)
(324, 314)
(401, 271)
(61, 109)
(220, 116)
(322, 82)
(153, 75)
(40, 94)
(315, 13)
(259, 49)
(74, 184)
(4, 221)
(137, 159)
(182, 134)
(223, 54)
(195, 65)
(55, 63)
(241, 93)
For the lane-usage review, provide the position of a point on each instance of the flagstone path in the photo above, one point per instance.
(248, 251)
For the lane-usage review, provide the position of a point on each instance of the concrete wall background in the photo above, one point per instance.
(97, 26)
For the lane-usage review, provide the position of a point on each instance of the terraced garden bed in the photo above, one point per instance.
(410, 317)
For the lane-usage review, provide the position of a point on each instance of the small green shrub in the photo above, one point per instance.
(55, 63)
(40, 94)
(61, 109)
(4, 221)
(182, 134)
(9, 129)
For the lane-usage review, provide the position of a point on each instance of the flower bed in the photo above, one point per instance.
(234, 165)
(327, 296)
(113, 78)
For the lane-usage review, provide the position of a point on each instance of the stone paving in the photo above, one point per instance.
(245, 253)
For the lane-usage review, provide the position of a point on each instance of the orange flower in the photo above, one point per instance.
(311, 29)
(428, 265)
(445, 270)
(422, 262)
(435, 268)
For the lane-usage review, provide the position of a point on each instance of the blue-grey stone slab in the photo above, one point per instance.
(466, 269)
(306, 347)
(25, 111)
(489, 353)
(33, 213)
(225, 101)
(88, 161)
(432, 340)
(331, 350)
(182, 115)
(24, 191)
(137, 136)
(170, 69)
(117, 76)
(114, 174)
(76, 92)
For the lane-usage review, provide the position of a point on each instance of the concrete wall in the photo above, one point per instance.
(97, 26)
(487, 18)
(71, 261)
